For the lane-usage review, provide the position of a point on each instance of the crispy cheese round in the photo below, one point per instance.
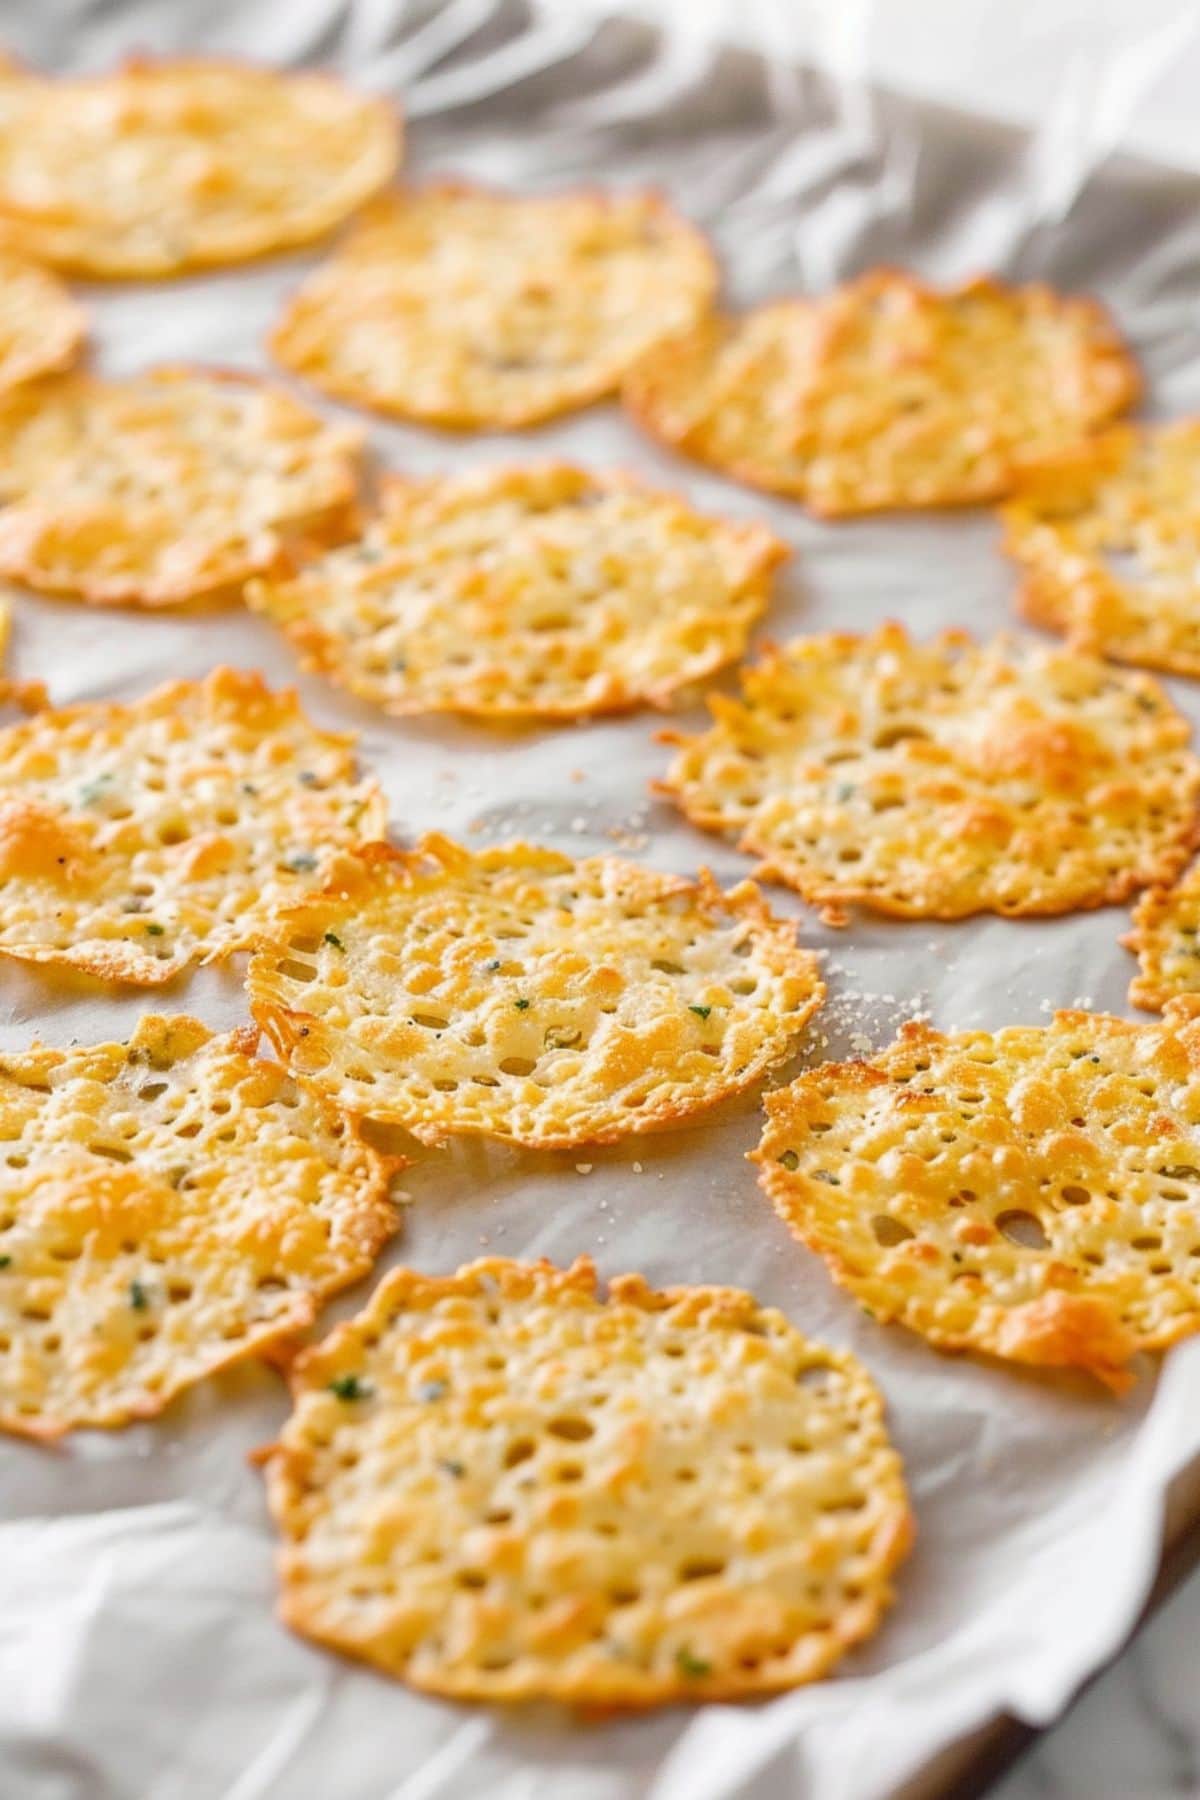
(162, 166)
(1166, 941)
(540, 592)
(462, 307)
(1109, 544)
(886, 393)
(167, 488)
(42, 330)
(167, 1206)
(504, 1485)
(939, 780)
(518, 993)
(1033, 1193)
(139, 837)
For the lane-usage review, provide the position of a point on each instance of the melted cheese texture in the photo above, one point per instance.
(161, 166)
(518, 993)
(1033, 1193)
(167, 488)
(939, 780)
(539, 592)
(504, 1485)
(886, 393)
(42, 330)
(462, 307)
(1109, 543)
(167, 1206)
(137, 838)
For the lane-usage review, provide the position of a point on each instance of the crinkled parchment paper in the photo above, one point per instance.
(138, 1651)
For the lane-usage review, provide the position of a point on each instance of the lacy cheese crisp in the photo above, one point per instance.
(166, 488)
(942, 779)
(515, 992)
(139, 837)
(161, 166)
(886, 393)
(1033, 1192)
(167, 1206)
(458, 306)
(538, 592)
(1109, 543)
(1166, 940)
(42, 330)
(506, 1485)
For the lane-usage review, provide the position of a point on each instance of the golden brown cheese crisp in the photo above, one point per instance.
(167, 488)
(1166, 941)
(167, 1206)
(886, 393)
(939, 780)
(166, 165)
(518, 993)
(523, 593)
(42, 330)
(1033, 1193)
(1109, 544)
(506, 1485)
(138, 837)
(463, 307)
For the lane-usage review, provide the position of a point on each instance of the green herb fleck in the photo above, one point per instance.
(521, 1005)
(349, 1387)
(451, 1467)
(492, 966)
(429, 1391)
(789, 1159)
(701, 1012)
(139, 1299)
(5, 1262)
(692, 1666)
(153, 930)
(331, 937)
(846, 790)
(307, 778)
(301, 862)
(93, 790)
(826, 1176)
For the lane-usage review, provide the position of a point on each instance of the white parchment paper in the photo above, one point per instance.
(138, 1651)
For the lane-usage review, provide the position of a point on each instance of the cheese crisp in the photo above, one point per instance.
(518, 993)
(504, 1485)
(934, 781)
(1033, 1193)
(463, 307)
(1166, 940)
(167, 1206)
(886, 393)
(538, 592)
(162, 166)
(1109, 542)
(164, 489)
(41, 328)
(137, 838)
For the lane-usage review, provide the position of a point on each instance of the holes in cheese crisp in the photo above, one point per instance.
(888, 736)
(516, 1065)
(295, 970)
(518, 1452)
(430, 1021)
(1022, 1228)
(1074, 1195)
(889, 1231)
(701, 1568)
(574, 1429)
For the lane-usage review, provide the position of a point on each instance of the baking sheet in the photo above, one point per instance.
(138, 1652)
